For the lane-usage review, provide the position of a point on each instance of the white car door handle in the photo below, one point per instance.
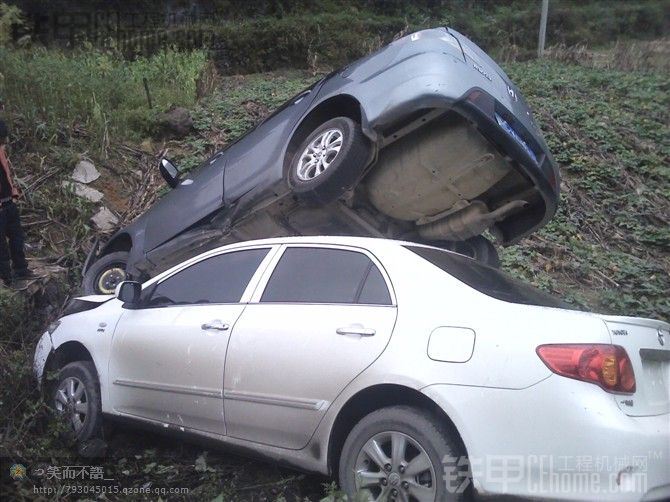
(356, 330)
(217, 325)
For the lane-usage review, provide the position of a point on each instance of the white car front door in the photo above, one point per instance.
(167, 356)
(324, 316)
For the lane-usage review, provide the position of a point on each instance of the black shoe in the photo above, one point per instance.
(24, 273)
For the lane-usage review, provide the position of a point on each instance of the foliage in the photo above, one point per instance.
(10, 15)
(50, 90)
(331, 33)
(238, 105)
(302, 41)
(569, 22)
(245, 37)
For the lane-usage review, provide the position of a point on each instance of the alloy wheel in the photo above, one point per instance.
(319, 154)
(394, 466)
(71, 401)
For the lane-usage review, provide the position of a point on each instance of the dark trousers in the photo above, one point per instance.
(11, 233)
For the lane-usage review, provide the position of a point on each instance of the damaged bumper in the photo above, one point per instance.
(42, 351)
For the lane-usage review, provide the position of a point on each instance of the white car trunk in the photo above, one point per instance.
(647, 343)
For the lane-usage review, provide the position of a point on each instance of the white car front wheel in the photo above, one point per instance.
(76, 401)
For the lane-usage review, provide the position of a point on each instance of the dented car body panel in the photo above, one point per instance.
(431, 80)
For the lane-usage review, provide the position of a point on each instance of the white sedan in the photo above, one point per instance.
(407, 372)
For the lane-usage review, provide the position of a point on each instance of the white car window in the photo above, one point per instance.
(321, 275)
(219, 279)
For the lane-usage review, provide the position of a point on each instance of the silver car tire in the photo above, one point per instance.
(75, 398)
(426, 444)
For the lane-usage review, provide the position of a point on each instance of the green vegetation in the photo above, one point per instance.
(51, 89)
(252, 37)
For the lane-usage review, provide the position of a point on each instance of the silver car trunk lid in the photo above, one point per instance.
(647, 343)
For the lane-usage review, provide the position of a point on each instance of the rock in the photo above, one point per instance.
(105, 220)
(85, 172)
(92, 448)
(147, 146)
(84, 191)
(176, 122)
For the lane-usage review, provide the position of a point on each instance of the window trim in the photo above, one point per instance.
(248, 291)
(265, 279)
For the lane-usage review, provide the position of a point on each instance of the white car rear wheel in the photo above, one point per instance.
(397, 453)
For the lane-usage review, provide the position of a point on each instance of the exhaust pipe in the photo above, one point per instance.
(468, 222)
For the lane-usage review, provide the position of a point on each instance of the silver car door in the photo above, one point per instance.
(167, 357)
(324, 316)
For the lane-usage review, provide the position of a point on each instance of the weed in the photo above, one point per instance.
(51, 89)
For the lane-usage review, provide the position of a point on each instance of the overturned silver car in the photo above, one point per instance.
(426, 139)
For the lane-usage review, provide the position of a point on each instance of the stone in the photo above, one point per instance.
(85, 172)
(176, 122)
(105, 220)
(93, 448)
(84, 191)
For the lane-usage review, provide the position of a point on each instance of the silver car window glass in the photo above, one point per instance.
(318, 275)
(488, 280)
(219, 279)
(374, 290)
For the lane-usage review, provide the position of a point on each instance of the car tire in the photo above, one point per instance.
(427, 441)
(105, 274)
(479, 248)
(76, 400)
(329, 161)
(483, 251)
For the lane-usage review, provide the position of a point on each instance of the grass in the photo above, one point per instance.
(50, 91)
(330, 33)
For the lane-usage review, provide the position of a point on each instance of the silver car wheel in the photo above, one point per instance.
(319, 154)
(72, 402)
(392, 465)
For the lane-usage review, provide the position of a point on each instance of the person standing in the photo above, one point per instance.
(11, 234)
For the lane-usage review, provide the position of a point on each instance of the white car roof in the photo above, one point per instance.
(322, 239)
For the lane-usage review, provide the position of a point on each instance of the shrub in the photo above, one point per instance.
(51, 89)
